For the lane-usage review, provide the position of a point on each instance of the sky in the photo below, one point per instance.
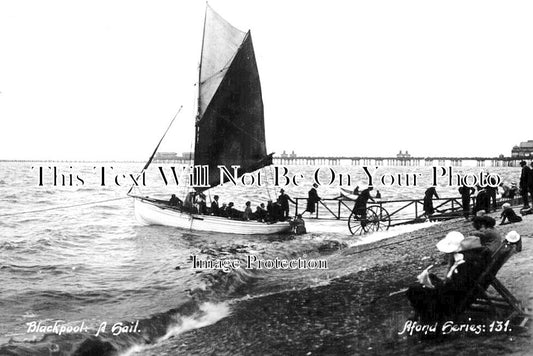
(102, 79)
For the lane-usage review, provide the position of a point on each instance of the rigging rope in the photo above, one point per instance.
(268, 186)
(156, 147)
(224, 68)
(62, 207)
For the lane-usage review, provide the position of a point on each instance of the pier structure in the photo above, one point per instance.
(180, 161)
(403, 161)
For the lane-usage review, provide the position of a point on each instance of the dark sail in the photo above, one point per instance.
(230, 126)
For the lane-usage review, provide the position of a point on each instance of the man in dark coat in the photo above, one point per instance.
(283, 201)
(466, 192)
(215, 209)
(428, 201)
(524, 180)
(530, 182)
(492, 190)
(312, 199)
(359, 208)
(482, 200)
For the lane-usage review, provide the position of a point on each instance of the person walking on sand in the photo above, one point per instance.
(428, 201)
(524, 183)
(312, 199)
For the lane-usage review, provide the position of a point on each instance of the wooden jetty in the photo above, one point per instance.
(397, 212)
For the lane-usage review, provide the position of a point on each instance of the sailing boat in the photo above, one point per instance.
(230, 128)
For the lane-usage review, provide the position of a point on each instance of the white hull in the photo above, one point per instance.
(150, 213)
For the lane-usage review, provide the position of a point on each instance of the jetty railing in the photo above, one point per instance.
(400, 211)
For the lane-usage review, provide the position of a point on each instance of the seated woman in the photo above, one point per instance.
(188, 204)
(261, 212)
(435, 299)
(175, 201)
(488, 236)
(233, 213)
(509, 215)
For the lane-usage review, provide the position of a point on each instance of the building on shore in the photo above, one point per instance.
(525, 149)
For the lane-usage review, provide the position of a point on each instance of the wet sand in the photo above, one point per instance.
(356, 314)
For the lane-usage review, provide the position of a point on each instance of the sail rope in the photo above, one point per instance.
(212, 76)
(63, 207)
(226, 66)
(267, 185)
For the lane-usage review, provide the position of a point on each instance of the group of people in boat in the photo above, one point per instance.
(195, 202)
(436, 299)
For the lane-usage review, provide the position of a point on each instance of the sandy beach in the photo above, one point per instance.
(364, 311)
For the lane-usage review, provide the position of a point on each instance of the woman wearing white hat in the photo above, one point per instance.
(435, 299)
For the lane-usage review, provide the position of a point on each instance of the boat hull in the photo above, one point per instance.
(151, 213)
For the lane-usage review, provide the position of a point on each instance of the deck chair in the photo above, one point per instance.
(503, 306)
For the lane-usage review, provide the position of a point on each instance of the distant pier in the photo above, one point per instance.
(407, 161)
(341, 160)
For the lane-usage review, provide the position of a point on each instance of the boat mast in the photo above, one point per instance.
(200, 81)
(199, 101)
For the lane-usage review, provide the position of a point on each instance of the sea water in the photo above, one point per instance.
(84, 270)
